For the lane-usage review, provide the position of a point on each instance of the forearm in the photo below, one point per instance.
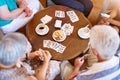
(113, 13)
(114, 22)
(14, 14)
(41, 72)
(74, 73)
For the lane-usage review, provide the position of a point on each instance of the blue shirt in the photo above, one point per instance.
(11, 4)
(107, 70)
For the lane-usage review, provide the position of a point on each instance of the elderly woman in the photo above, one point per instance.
(14, 14)
(13, 48)
(84, 6)
(112, 8)
(104, 42)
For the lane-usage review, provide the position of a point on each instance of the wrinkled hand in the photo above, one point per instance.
(35, 54)
(78, 62)
(47, 56)
(105, 20)
(41, 55)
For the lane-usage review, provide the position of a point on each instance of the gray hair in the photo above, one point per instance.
(12, 47)
(105, 40)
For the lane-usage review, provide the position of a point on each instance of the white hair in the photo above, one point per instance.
(12, 47)
(105, 40)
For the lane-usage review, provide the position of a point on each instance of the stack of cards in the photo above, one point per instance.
(46, 19)
(67, 28)
(72, 15)
(60, 14)
(54, 45)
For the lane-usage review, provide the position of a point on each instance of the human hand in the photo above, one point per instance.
(104, 20)
(78, 62)
(23, 6)
(47, 56)
(35, 54)
(20, 2)
(28, 12)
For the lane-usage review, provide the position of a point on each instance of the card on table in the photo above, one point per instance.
(73, 16)
(46, 19)
(54, 45)
(67, 28)
(60, 14)
(46, 43)
(58, 23)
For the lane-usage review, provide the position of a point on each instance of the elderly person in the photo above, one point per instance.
(104, 41)
(84, 6)
(112, 8)
(14, 14)
(13, 49)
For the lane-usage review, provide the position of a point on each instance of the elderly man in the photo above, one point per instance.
(104, 42)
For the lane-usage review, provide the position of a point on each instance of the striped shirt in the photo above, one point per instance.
(107, 70)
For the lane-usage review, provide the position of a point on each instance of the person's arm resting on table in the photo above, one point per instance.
(5, 14)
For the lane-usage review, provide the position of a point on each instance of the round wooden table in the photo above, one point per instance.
(74, 44)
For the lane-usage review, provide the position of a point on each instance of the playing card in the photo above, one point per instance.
(53, 45)
(41, 54)
(46, 43)
(60, 14)
(56, 46)
(61, 48)
(46, 19)
(67, 28)
(58, 23)
(73, 16)
(105, 15)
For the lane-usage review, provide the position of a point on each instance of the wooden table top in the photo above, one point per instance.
(74, 44)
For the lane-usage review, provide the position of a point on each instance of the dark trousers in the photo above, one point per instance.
(84, 6)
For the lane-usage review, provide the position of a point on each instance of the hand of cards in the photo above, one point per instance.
(105, 15)
(54, 45)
